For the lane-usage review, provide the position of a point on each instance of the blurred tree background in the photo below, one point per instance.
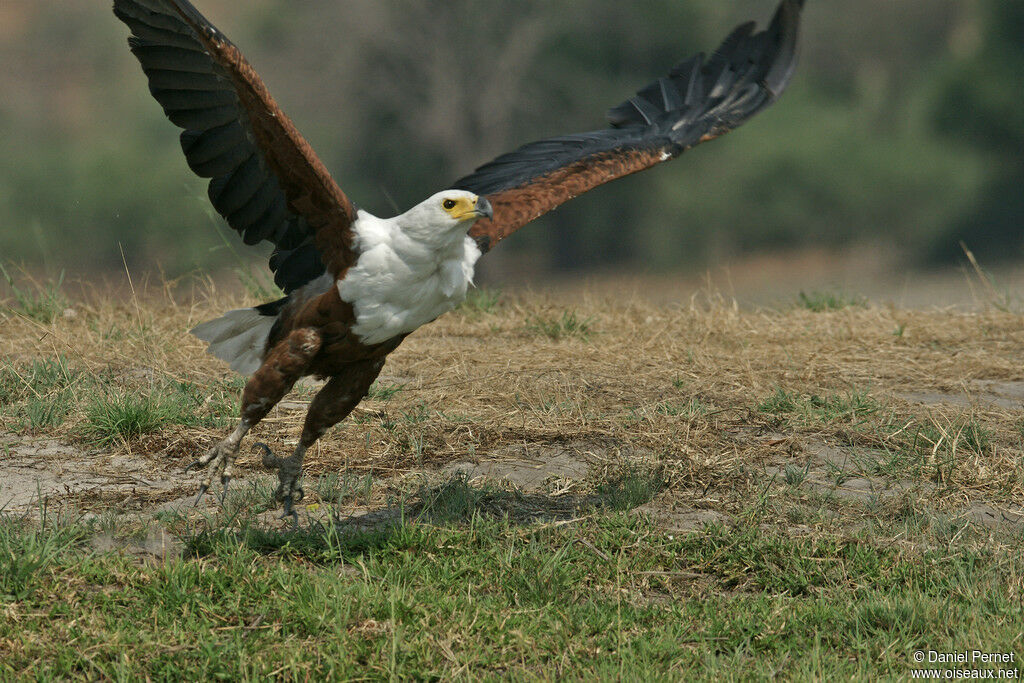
(904, 127)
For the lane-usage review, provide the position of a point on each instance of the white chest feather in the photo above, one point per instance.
(400, 282)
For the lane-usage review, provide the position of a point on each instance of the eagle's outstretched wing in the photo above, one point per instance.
(265, 179)
(699, 100)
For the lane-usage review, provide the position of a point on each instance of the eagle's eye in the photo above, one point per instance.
(448, 204)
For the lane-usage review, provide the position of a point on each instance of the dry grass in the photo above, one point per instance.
(719, 400)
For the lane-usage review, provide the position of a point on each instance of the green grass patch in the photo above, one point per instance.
(384, 392)
(975, 436)
(121, 417)
(795, 475)
(44, 393)
(568, 325)
(456, 500)
(37, 395)
(27, 550)
(689, 409)
(36, 378)
(343, 487)
(481, 301)
(630, 486)
(45, 412)
(116, 416)
(829, 301)
(609, 597)
(852, 406)
(42, 303)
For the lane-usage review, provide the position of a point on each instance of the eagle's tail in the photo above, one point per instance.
(239, 337)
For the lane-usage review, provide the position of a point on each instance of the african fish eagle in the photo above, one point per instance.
(355, 285)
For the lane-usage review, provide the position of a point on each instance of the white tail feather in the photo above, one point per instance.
(238, 337)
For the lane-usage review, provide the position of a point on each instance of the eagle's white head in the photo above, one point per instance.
(444, 215)
(413, 267)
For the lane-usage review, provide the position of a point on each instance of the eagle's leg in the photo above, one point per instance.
(331, 405)
(218, 461)
(282, 367)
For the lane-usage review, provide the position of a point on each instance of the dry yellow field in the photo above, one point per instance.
(859, 406)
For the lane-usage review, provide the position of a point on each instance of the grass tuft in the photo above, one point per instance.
(795, 475)
(780, 402)
(45, 412)
(456, 500)
(569, 325)
(630, 486)
(42, 303)
(121, 417)
(689, 409)
(852, 406)
(383, 392)
(27, 550)
(341, 488)
(829, 301)
(481, 300)
(37, 378)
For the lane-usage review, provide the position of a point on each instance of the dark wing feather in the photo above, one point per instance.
(264, 178)
(699, 100)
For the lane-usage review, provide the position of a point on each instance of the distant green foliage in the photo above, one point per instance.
(829, 301)
(569, 325)
(850, 152)
(259, 285)
(979, 102)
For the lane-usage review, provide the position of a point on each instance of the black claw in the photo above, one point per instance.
(289, 511)
(269, 459)
(203, 488)
(225, 480)
(194, 463)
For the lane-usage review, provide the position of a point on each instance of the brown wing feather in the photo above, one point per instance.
(697, 101)
(310, 189)
(517, 206)
(265, 178)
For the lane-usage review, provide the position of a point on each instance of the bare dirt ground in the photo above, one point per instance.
(834, 417)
